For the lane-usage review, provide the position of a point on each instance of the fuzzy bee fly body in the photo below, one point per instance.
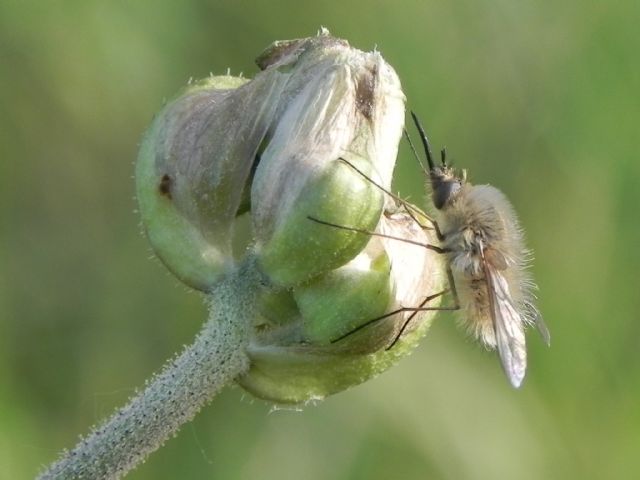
(484, 244)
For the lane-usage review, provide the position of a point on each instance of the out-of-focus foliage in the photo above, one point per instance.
(538, 98)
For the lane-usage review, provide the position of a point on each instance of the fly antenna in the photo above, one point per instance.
(443, 156)
(415, 154)
(425, 141)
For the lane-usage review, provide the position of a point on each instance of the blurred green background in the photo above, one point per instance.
(538, 98)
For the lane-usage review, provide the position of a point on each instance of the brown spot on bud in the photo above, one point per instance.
(365, 90)
(165, 186)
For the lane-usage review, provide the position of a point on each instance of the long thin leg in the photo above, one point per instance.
(415, 153)
(376, 234)
(417, 309)
(455, 306)
(411, 210)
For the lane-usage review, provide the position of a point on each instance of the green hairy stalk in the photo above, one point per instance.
(173, 396)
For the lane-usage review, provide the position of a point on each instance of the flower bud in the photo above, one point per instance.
(293, 149)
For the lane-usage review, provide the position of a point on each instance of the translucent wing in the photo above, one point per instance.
(542, 327)
(508, 326)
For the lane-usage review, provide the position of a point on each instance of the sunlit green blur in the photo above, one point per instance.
(541, 99)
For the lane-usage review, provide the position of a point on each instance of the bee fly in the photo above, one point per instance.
(485, 249)
(486, 262)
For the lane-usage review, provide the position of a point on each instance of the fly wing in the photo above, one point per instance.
(540, 325)
(508, 326)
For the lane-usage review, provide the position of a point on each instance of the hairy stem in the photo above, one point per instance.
(173, 396)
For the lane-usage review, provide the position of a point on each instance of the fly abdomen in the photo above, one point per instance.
(476, 314)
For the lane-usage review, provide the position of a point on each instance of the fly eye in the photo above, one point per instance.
(443, 192)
